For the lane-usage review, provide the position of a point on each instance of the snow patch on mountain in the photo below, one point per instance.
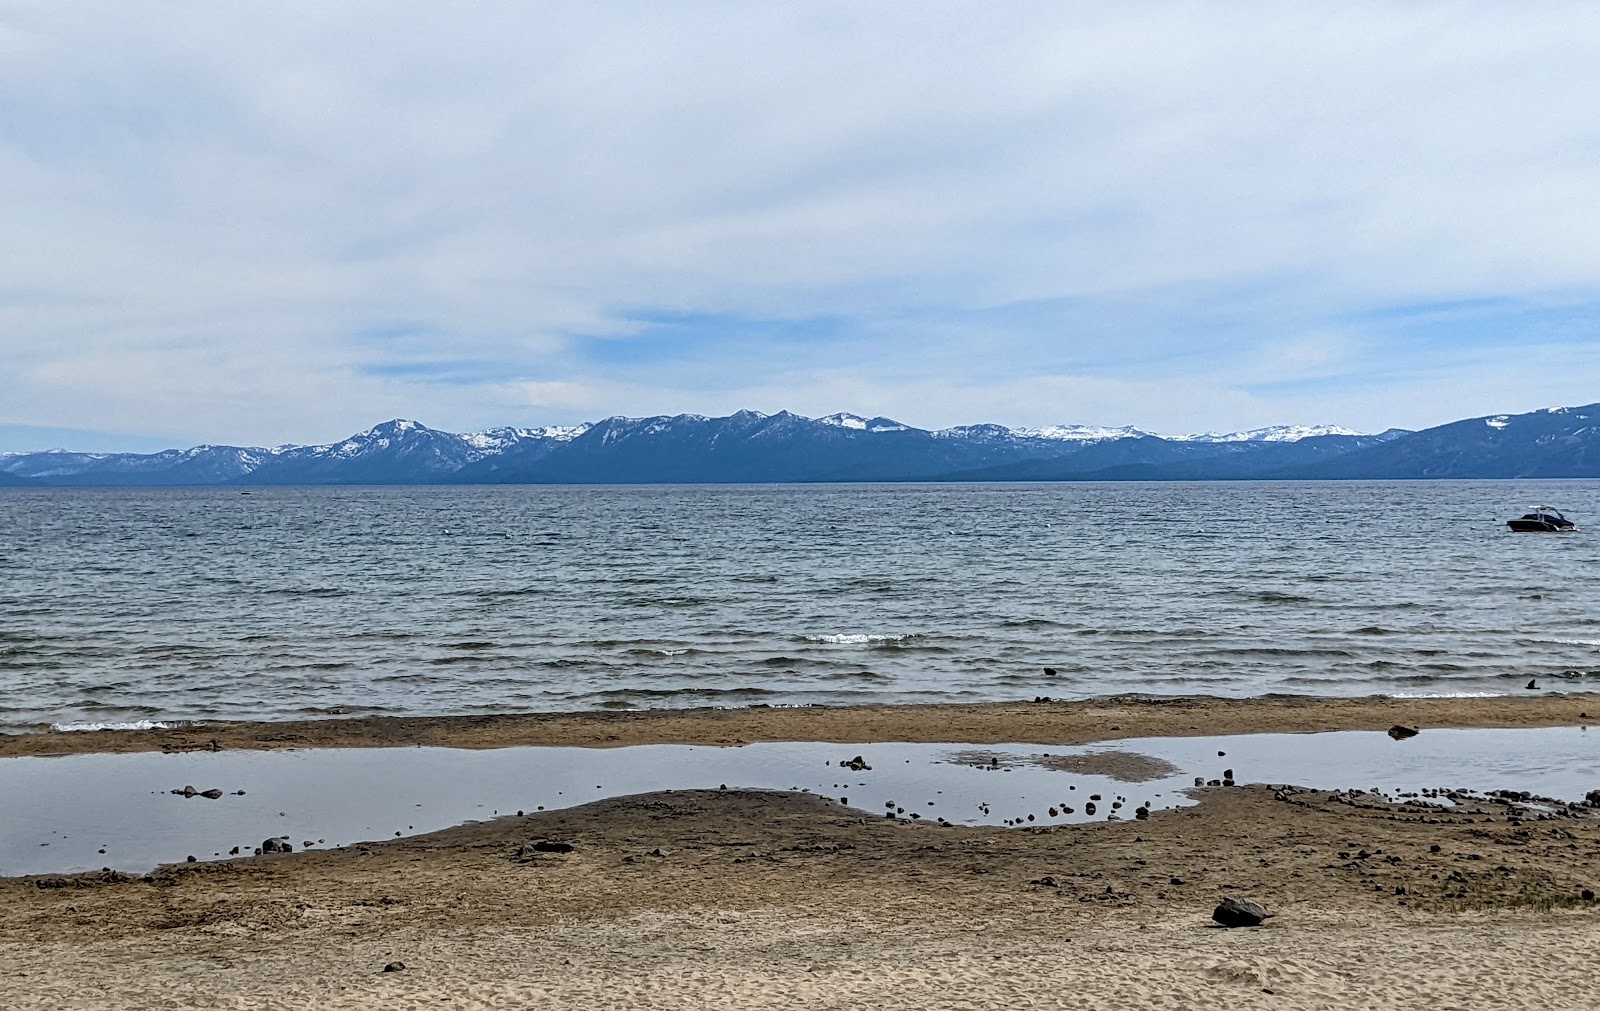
(1275, 433)
(1080, 433)
(860, 424)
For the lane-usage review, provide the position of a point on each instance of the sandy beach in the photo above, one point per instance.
(746, 899)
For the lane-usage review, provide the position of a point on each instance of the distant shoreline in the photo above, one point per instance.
(1052, 723)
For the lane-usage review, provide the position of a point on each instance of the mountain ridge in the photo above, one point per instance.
(752, 447)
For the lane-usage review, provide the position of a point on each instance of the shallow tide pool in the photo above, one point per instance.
(85, 812)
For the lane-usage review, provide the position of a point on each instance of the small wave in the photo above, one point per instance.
(73, 728)
(1277, 597)
(1577, 642)
(860, 638)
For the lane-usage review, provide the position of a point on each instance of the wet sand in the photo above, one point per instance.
(1076, 722)
(744, 899)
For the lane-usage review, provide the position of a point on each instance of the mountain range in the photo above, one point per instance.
(749, 447)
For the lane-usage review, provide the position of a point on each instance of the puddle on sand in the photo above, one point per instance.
(85, 812)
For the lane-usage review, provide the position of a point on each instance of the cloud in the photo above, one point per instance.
(259, 224)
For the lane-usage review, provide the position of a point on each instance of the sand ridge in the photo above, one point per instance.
(1046, 722)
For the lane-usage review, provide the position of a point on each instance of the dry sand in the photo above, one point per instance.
(738, 899)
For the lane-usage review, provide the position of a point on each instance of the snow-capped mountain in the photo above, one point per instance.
(1275, 433)
(749, 446)
(1081, 433)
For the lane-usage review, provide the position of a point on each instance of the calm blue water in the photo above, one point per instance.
(125, 605)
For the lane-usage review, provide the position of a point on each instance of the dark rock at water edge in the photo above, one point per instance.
(1400, 733)
(1234, 912)
(277, 845)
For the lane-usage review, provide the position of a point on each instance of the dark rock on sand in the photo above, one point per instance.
(395, 967)
(1239, 913)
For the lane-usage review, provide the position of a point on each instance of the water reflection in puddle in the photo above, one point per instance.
(91, 811)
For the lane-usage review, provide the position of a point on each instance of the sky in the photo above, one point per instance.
(270, 223)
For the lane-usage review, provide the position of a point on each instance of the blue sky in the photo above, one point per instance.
(285, 223)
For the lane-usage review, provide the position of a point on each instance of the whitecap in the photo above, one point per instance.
(111, 725)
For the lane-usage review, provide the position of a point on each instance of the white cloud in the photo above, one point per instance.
(211, 212)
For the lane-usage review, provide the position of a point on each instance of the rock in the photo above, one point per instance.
(1088, 808)
(1400, 733)
(395, 967)
(211, 794)
(856, 764)
(1587, 895)
(1239, 913)
(1047, 882)
(551, 846)
(1049, 672)
(187, 791)
(276, 845)
(658, 852)
(1141, 813)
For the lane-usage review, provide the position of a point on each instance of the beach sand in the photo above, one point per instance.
(744, 899)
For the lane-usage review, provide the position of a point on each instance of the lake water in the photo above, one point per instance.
(128, 605)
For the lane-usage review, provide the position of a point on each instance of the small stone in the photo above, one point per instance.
(211, 794)
(1587, 895)
(1239, 913)
(551, 846)
(188, 791)
(1400, 733)
(395, 967)
(189, 858)
(276, 845)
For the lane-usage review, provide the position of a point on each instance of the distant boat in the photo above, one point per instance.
(1542, 519)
